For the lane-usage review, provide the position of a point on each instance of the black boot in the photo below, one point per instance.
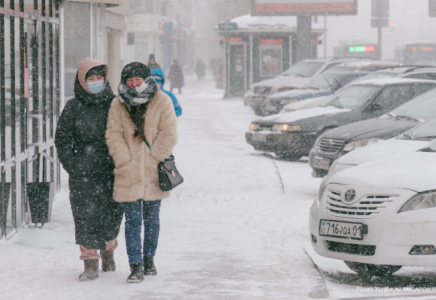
(149, 268)
(136, 273)
(91, 270)
(107, 261)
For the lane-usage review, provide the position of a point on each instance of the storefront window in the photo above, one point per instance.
(271, 57)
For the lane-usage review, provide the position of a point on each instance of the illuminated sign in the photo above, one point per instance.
(271, 42)
(234, 39)
(304, 7)
(355, 49)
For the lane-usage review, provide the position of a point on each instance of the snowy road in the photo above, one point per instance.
(236, 229)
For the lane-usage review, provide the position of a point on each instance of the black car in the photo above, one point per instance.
(322, 85)
(292, 135)
(342, 140)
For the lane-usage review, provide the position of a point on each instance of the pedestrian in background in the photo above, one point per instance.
(152, 64)
(200, 69)
(141, 112)
(176, 78)
(159, 77)
(82, 150)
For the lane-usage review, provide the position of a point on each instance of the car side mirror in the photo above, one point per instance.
(374, 107)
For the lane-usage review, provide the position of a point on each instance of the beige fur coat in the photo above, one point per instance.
(136, 175)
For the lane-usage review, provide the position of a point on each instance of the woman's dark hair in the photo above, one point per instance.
(137, 115)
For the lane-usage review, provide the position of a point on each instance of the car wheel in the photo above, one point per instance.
(369, 270)
(288, 156)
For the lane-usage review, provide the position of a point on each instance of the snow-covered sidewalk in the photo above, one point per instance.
(231, 231)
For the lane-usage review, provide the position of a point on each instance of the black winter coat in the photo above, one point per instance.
(82, 150)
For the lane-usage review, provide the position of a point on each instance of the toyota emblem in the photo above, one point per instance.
(349, 196)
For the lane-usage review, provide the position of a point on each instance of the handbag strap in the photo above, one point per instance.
(101, 113)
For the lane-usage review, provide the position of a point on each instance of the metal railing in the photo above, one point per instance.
(29, 104)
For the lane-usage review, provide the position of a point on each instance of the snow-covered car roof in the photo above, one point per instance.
(420, 71)
(276, 22)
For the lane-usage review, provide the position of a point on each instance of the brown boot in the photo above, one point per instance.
(91, 270)
(107, 261)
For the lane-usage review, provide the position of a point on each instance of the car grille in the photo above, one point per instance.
(331, 145)
(357, 249)
(262, 90)
(366, 207)
(265, 126)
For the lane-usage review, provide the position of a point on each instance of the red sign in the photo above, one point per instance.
(26, 83)
(271, 42)
(369, 48)
(234, 39)
(298, 7)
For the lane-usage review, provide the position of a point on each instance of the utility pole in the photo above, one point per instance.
(379, 19)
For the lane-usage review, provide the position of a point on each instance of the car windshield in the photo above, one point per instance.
(354, 96)
(420, 108)
(324, 81)
(423, 132)
(304, 69)
(376, 75)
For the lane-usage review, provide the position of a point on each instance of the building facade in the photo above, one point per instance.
(163, 28)
(257, 48)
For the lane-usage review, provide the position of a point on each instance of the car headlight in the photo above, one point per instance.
(254, 127)
(287, 101)
(359, 144)
(420, 201)
(287, 128)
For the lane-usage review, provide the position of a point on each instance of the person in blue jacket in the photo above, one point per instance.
(159, 77)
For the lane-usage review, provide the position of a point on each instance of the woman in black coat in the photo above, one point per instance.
(82, 150)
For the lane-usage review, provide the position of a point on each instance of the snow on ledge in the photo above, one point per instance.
(278, 22)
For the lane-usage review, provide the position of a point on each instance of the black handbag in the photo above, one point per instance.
(169, 176)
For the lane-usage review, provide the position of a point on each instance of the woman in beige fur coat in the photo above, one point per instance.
(141, 111)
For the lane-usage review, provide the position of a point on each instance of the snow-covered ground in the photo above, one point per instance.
(236, 229)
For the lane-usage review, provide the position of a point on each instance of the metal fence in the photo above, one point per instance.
(29, 104)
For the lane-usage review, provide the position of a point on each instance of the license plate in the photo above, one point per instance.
(259, 137)
(341, 229)
(320, 163)
(270, 107)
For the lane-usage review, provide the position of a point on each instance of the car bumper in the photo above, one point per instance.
(320, 161)
(290, 143)
(392, 235)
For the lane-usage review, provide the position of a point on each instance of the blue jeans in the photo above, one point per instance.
(136, 213)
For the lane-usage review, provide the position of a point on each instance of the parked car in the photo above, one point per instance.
(275, 103)
(339, 141)
(294, 78)
(323, 84)
(417, 72)
(292, 135)
(428, 73)
(379, 216)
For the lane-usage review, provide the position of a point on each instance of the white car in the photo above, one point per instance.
(379, 216)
